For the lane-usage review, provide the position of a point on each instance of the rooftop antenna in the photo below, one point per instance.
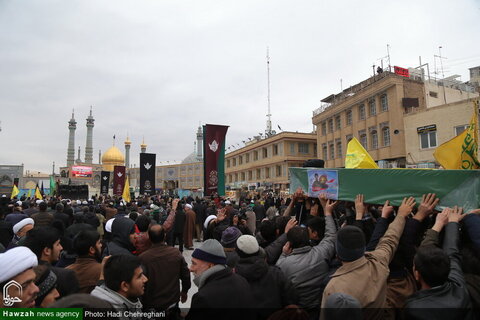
(388, 55)
(268, 131)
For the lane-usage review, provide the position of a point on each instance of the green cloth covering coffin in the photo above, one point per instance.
(453, 187)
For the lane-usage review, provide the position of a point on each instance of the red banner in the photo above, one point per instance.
(118, 180)
(81, 172)
(401, 71)
(214, 159)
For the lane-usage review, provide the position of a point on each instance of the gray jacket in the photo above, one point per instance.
(307, 267)
(119, 302)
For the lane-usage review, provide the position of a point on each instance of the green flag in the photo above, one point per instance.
(53, 186)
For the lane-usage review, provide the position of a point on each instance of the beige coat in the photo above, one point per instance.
(365, 279)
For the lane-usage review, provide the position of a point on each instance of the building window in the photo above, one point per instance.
(315, 149)
(247, 158)
(372, 107)
(267, 173)
(460, 129)
(228, 163)
(292, 147)
(243, 176)
(331, 150)
(250, 175)
(240, 160)
(324, 128)
(236, 177)
(348, 137)
(338, 123)
(255, 155)
(324, 151)
(278, 170)
(230, 179)
(259, 174)
(234, 162)
(433, 94)
(330, 125)
(374, 139)
(384, 102)
(428, 139)
(386, 136)
(275, 149)
(338, 143)
(264, 153)
(303, 148)
(348, 115)
(361, 112)
(363, 138)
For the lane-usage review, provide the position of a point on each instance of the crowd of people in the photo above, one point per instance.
(261, 257)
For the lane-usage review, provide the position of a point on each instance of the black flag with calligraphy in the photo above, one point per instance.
(118, 180)
(104, 182)
(147, 173)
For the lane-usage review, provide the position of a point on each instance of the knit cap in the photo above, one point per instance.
(210, 251)
(350, 243)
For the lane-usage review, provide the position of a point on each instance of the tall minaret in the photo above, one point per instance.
(127, 152)
(72, 125)
(199, 143)
(89, 148)
(78, 159)
(99, 156)
(143, 146)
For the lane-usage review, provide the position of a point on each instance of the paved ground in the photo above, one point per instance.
(187, 254)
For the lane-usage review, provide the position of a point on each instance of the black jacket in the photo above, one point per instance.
(120, 244)
(450, 300)
(225, 295)
(270, 288)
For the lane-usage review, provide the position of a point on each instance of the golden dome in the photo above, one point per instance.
(112, 157)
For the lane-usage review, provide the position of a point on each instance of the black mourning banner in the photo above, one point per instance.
(104, 182)
(147, 173)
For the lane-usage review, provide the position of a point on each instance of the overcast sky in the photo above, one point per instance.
(159, 68)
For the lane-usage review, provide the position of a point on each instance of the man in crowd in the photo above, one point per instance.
(165, 266)
(42, 218)
(20, 230)
(45, 243)
(124, 283)
(218, 286)
(17, 265)
(87, 267)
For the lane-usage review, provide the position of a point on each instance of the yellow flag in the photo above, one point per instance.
(29, 193)
(357, 157)
(126, 191)
(38, 195)
(15, 192)
(461, 151)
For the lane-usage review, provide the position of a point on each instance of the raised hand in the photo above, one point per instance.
(406, 207)
(329, 207)
(441, 220)
(360, 207)
(455, 214)
(287, 248)
(323, 199)
(290, 224)
(429, 202)
(387, 210)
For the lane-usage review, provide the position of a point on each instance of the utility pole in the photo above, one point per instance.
(268, 130)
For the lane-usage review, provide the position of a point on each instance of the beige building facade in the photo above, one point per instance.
(375, 111)
(264, 163)
(372, 111)
(426, 130)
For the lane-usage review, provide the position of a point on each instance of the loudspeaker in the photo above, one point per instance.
(314, 163)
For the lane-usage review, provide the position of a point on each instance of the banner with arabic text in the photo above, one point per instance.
(118, 180)
(147, 173)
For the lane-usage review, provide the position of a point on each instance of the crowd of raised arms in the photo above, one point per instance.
(260, 257)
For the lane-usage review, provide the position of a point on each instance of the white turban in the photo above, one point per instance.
(16, 261)
(188, 206)
(207, 221)
(19, 225)
(108, 225)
